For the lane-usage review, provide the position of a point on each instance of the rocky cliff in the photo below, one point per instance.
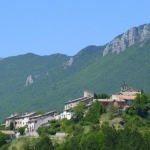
(29, 80)
(130, 37)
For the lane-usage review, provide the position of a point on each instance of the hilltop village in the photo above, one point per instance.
(32, 121)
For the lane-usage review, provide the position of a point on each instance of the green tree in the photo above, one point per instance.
(95, 111)
(3, 138)
(14, 148)
(113, 111)
(79, 111)
(21, 130)
(102, 96)
(92, 141)
(5, 147)
(44, 143)
(11, 126)
(110, 135)
(140, 106)
(128, 139)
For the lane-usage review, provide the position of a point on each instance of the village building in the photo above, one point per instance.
(88, 99)
(21, 121)
(9, 132)
(39, 120)
(114, 102)
(63, 115)
(122, 99)
(129, 91)
(31, 120)
(11, 119)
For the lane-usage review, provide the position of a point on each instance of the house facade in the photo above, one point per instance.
(31, 120)
(88, 99)
(21, 121)
(39, 120)
(122, 99)
(64, 114)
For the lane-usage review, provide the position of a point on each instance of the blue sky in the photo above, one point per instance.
(65, 26)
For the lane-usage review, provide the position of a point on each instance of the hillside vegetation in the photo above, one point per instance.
(55, 82)
(122, 130)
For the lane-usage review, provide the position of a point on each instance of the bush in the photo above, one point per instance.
(21, 130)
(53, 121)
(52, 131)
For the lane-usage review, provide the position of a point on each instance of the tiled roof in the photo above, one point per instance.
(109, 100)
(79, 99)
(130, 89)
(10, 132)
(125, 97)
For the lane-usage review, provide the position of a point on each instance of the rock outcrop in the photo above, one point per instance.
(70, 62)
(29, 80)
(130, 37)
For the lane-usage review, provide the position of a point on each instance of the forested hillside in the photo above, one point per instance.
(56, 81)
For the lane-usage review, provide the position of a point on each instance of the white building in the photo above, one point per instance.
(21, 121)
(36, 121)
(88, 99)
(31, 120)
(63, 115)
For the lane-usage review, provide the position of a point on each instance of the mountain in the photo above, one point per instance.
(127, 39)
(31, 83)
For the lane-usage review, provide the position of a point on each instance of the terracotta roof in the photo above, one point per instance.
(130, 89)
(10, 132)
(13, 116)
(79, 99)
(26, 115)
(38, 116)
(125, 97)
(48, 113)
(109, 100)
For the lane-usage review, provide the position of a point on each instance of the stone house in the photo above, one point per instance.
(88, 99)
(129, 91)
(21, 121)
(10, 119)
(122, 99)
(64, 114)
(9, 132)
(36, 121)
(115, 102)
(31, 120)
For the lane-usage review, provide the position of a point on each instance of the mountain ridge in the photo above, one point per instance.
(128, 38)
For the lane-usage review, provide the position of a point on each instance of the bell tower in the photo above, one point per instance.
(124, 87)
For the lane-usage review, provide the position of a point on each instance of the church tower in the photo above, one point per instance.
(124, 87)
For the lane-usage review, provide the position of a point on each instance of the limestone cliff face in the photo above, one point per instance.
(29, 80)
(130, 37)
(69, 62)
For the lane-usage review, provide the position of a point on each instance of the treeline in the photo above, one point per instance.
(107, 138)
